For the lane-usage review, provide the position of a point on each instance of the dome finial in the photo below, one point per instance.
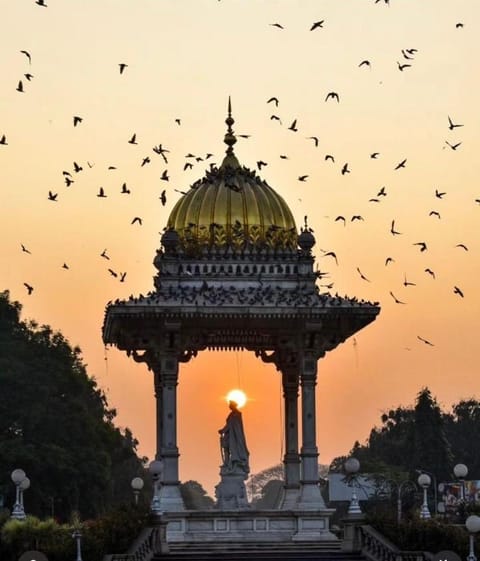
(230, 138)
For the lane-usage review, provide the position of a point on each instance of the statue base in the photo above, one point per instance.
(231, 492)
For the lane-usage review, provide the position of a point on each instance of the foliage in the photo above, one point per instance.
(195, 497)
(56, 425)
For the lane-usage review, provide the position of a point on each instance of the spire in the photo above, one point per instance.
(230, 139)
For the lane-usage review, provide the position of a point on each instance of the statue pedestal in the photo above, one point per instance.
(231, 492)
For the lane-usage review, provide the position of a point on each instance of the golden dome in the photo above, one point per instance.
(232, 206)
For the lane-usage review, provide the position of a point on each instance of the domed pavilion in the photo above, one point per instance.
(235, 273)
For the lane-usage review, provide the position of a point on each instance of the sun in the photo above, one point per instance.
(238, 397)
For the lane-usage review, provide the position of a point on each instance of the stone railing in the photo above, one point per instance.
(376, 547)
(142, 549)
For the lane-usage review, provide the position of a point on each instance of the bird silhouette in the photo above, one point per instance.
(3, 140)
(133, 140)
(364, 63)
(104, 254)
(277, 25)
(24, 249)
(317, 24)
(28, 76)
(423, 246)
(77, 168)
(434, 213)
(456, 290)
(462, 245)
(293, 126)
(439, 195)
(145, 161)
(430, 272)
(274, 100)
(402, 67)
(314, 138)
(52, 196)
(382, 192)
(397, 301)
(452, 146)
(340, 218)
(405, 55)
(41, 3)
(425, 341)
(77, 120)
(113, 273)
(345, 169)
(188, 165)
(374, 155)
(178, 122)
(389, 260)
(164, 176)
(125, 190)
(329, 157)
(406, 282)
(68, 180)
(261, 164)
(137, 220)
(333, 95)
(362, 276)
(29, 288)
(122, 67)
(356, 217)
(122, 277)
(302, 177)
(459, 25)
(20, 87)
(163, 197)
(27, 54)
(451, 124)
(400, 165)
(331, 254)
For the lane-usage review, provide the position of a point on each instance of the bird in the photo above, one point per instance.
(458, 25)
(24, 249)
(164, 176)
(122, 277)
(28, 76)
(317, 24)
(145, 161)
(430, 272)
(20, 87)
(133, 140)
(452, 146)
(274, 100)
(329, 157)
(41, 3)
(382, 192)
(392, 229)
(333, 95)
(293, 126)
(28, 287)
(434, 213)
(362, 276)
(178, 122)
(187, 165)
(77, 168)
(122, 66)
(374, 155)
(76, 120)
(451, 124)
(400, 164)
(65, 266)
(104, 254)
(439, 195)
(356, 217)
(52, 196)
(462, 245)
(364, 63)
(137, 219)
(3, 140)
(345, 169)
(68, 180)
(401, 67)
(425, 341)
(113, 273)
(302, 177)
(389, 260)
(27, 54)
(331, 254)
(397, 301)
(339, 218)
(411, 51)
(125, 190)
(423, 246)
(277, 25)
(314, 138)
(110, 167)
(283, 157)
(261, 164)
(405, 55)
(456, 290)
(406, 282)
(244, 135)
(373, 200)
(101, 193)
(163, 197)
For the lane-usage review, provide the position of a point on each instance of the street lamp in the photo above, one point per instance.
(472, 524)
(156, 470)
(352, 465)
(24, 485)
(432, 475)
(461, 471)
(18, 475)
(77, 536)
(137, 486)
(424, 482)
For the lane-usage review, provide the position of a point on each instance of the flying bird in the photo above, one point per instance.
(462, 245)
(345, 169)
(317, 24)
(41, 3)
(122, 277)
(145, 161)
(331, 254)
(28, 287)
(430, 272)
(133, 140)
(302, 177)
(277, 25)
(340, 218)
(122, 67)
(274, 100)
(261, 164)
(24, 249)
(68, 180)
(362, 276)
(389, 260)
(425, 341)
(28, 76)
(364, 63)
(451, 124)
(439, 195)
(65, 266)
(314, 138)
(397, 301)
(52, 196)
(293, 126)
(137, 219)
(382, 192)
(27, 54)
(329, 157)
(356, 217)
(434, 213)
(101, 193)
(407, 283)
(400, 165)
(77, 168)
(164, 176)
(423, 246)
(3, 140)
(178, 122)
(104, 254)
(392, 229)
(76, 120)
(20, 87)
(374, 155)
(456, 290)
(125, 190)
(113, 273)
(452, 146)
(333, 95)
(458, 25)
(402, 67)
(188, 165)
(163, 197)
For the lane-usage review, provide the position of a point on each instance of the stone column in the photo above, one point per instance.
(310, 497)
(165, 368)
(291, 459)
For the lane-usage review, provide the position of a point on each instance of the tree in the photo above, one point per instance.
(56, 425)
(195, 497)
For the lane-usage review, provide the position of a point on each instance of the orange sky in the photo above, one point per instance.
(184, 59)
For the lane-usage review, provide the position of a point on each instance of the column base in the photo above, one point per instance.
(170, 498)
(290, 499)
(310, 497)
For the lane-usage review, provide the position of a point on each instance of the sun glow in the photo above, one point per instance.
(238, 397)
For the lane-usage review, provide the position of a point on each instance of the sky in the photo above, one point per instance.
(184, 58)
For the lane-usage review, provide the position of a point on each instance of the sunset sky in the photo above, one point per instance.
(185, 57)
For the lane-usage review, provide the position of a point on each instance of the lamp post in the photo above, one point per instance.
(156, 470)
(24, 485)
(472, 524)
(77, 536)
(18, 512)
(137, 486)
(461, 471)
(435, 498)
(352, 465)
(424, 482)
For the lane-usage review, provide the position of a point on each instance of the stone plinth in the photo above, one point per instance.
(231, 492)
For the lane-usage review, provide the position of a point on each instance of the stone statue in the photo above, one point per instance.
(233, 444)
